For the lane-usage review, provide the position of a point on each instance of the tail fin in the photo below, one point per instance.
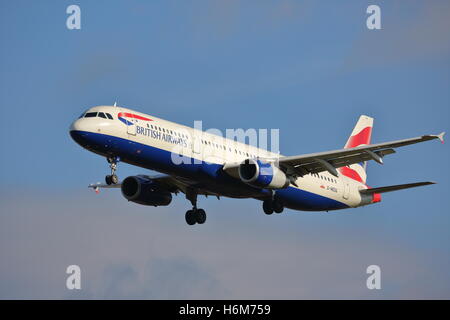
(361, 135)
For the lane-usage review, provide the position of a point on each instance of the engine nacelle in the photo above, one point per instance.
(262, 174)
(145, 191)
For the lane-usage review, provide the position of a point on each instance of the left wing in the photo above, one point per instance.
(330, 160)
(170, 183)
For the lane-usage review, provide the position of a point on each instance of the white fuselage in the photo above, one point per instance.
(186, 144)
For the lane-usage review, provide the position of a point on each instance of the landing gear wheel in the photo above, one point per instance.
(114, 179)
(190, 217)
(277, 206)
(108, 180)
(267, 207)
(201, 216)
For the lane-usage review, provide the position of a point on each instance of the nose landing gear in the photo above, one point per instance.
(112, 178)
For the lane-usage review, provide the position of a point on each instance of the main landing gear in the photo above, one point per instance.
(195, 215)
(112, 178)
(272, 205)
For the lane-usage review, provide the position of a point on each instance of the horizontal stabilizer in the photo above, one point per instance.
(395, 188)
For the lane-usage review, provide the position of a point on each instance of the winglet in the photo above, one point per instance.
(95, 187)
(441, 136)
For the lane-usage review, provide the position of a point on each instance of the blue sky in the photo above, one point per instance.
(309, 68)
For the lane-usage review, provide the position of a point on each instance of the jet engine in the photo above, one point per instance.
(145, 191)
(262, 174)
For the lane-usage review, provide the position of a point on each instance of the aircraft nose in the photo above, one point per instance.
(78, 132)
(75, 126)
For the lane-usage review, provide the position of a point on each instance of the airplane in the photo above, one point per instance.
(215, 166)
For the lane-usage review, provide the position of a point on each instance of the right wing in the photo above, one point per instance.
(330, 160)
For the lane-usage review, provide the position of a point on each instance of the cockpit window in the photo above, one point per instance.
(103, 115)
(82, 115)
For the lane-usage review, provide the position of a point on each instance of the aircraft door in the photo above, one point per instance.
(131, 128)
(129, 121)
(346, 193)
(196, 144)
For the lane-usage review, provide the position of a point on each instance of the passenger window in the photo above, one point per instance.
(91, 115)
(101, 115)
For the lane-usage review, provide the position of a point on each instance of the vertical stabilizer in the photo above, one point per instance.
(360, 136)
